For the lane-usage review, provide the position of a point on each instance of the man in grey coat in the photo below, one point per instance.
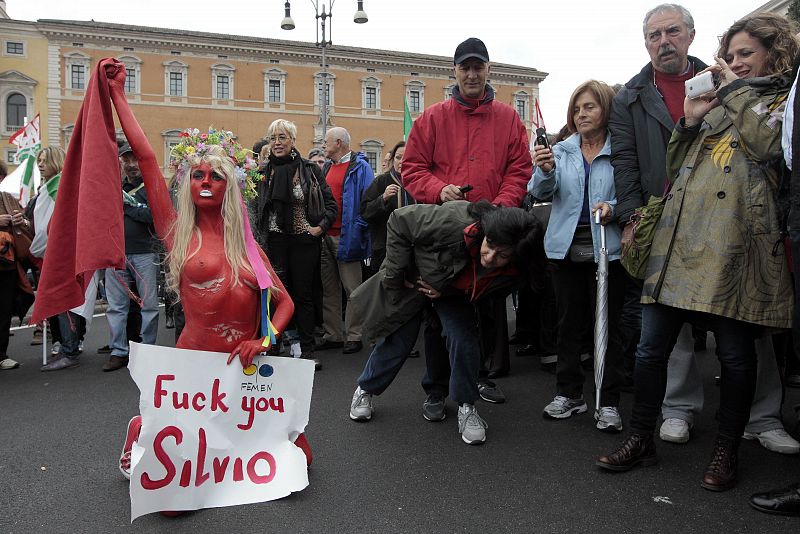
(643, 116)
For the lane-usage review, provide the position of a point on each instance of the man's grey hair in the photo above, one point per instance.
(341, 134)
(316, 152)
(687, 17)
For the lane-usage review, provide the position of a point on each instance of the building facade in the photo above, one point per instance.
(23, 80)
(178, 79)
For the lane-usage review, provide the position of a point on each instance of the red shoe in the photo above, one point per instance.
(168, 513)
(134, 427)
(302, 443)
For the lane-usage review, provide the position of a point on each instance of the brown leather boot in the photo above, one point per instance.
(637, 449)
(720, 474)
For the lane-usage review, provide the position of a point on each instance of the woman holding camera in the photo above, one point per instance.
(717, 256)
(578, 174)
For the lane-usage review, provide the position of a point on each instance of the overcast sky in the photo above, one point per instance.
(572, 40)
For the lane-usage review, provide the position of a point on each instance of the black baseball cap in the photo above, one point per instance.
(124, 149)
(472, 47)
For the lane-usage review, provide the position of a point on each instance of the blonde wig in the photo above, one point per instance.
(232, 216)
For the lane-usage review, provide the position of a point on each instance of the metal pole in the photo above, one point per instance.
(44, 342)
(324, 85)
(324, 44)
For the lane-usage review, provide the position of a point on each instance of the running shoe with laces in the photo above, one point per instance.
(134, 427)
(56, 348)
(608, 419)
(470, 425)
(491, 392)
(433, 409)
(562, 407)
(361, 405)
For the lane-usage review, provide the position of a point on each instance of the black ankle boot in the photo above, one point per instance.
(720, 475)
(637, 449)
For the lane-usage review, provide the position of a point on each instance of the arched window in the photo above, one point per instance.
(16, 110)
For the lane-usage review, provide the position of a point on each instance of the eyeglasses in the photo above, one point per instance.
(282, 138)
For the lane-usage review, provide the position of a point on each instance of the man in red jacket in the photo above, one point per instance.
(472, 140)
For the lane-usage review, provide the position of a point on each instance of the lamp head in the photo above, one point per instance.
(361, 15)
(287, 23)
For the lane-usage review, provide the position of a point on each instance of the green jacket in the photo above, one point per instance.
(718, 247)
(423, 241)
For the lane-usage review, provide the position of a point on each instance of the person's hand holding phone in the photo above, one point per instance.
(451, 192)
(543, 158)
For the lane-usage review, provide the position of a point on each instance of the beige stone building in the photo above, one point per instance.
(179, 79)
(23, 80)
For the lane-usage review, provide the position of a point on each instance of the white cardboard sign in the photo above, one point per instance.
(215, 434)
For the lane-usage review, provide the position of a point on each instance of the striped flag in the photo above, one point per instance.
(42, 212)
(407, 120)
(25, 178)
(537, 122)
(538, 119)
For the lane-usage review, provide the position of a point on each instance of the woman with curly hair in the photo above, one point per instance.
(717, 256)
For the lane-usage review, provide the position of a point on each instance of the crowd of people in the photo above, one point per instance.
(453, 225)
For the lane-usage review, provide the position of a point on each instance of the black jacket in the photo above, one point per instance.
(261, 207)
(140, 234)
(376, 211)
(640, 127)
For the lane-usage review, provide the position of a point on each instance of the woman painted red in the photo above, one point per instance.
(214, 264)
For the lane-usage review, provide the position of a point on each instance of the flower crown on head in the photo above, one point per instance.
(195, 143)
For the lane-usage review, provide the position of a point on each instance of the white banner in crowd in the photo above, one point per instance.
(215, 434)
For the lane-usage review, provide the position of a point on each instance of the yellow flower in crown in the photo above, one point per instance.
(193, 142)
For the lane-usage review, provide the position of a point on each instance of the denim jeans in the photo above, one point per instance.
(143, 270)
(736, 353)
(388, 357)
(460, 334)
(71, 326)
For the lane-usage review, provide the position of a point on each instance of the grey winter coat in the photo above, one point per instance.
(640, 127)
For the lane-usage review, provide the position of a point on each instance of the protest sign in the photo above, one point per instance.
(215, 434)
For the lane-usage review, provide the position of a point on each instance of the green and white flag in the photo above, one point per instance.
(42, 212)
(25, 179)
(407, 120)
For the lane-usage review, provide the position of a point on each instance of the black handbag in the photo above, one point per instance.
(582, 248)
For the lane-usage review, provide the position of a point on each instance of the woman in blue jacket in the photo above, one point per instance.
(577, 172)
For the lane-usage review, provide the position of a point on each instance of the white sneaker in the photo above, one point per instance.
(295, 350)
(361, 406)
(777, 440)
(470, 425)
(608, 419)
(8, 363)
(562, 407)
(674, 430)
(56, 348)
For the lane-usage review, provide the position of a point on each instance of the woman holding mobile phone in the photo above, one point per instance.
(717, 256)
(577, 173)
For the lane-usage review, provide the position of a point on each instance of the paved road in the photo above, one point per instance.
(60, 435)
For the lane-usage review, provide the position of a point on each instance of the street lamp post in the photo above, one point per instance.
(326, 29)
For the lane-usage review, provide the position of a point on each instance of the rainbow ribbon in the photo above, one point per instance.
(268, 331)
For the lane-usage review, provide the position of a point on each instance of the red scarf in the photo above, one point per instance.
(86, 233)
